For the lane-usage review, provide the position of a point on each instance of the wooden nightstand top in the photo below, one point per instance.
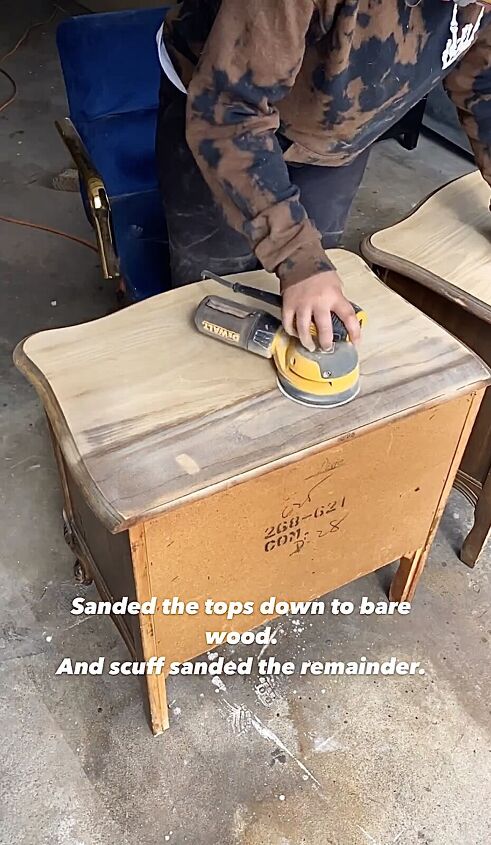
(149, 413)
(445, 244)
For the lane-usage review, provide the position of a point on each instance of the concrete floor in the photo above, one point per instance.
(398, 761)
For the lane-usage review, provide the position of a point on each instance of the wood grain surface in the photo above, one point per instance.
(444, 244)
(149, 413)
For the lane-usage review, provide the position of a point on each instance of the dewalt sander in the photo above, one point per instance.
(321, 378)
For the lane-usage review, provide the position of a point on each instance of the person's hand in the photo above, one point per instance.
(311, 301)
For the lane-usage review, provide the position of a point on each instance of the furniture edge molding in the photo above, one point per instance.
(103, 509)
(388, 262)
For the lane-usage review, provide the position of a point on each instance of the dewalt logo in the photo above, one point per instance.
(220, 331)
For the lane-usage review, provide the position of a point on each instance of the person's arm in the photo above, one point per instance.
(250, 61)
(469, 87)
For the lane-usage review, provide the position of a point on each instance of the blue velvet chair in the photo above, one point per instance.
(112, 74)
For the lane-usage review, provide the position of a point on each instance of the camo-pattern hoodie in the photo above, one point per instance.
(331, 76)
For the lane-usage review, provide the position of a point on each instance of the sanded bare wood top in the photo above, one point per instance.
(150, 413)
(444, 244)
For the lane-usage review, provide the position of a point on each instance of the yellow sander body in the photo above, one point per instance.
(319, 378)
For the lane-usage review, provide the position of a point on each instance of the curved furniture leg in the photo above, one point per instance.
(82, 573)
(411, 566)
(81, 568)
(407, 576)
(476, 539)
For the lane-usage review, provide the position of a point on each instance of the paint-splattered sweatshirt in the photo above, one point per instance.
(330, 76)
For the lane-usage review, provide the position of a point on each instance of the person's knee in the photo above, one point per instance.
(330, 240)
(188, 264)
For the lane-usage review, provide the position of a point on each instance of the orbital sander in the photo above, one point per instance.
(322, 378)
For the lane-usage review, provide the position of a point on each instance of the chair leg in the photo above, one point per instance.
(481, 530)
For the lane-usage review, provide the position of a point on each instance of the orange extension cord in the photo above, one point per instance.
(4, 105)
(49, 229)
(13, 50)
